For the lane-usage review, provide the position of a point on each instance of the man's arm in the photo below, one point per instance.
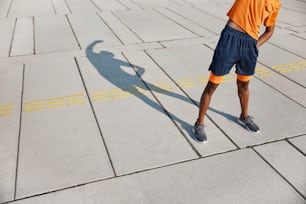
(266, 35)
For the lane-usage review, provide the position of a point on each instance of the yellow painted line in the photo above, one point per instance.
(186, 82)
(142, 90)
(75, 99)
(290, 67)
(102, 95)
(202, 79)
(52, 103)
(55, 102)
(163, 85)
(6, 110)
(119, 93)
(281, 69)
(33, 106)
(263, 72)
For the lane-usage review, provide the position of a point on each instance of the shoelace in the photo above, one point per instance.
(249, 119)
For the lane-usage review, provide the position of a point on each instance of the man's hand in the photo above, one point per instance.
(266, 35)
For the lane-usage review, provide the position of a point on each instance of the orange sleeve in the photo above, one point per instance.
(271, 13)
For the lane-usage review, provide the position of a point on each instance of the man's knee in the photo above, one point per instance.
(243, 86)
(210, 88)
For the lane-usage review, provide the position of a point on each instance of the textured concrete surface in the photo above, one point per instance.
(98, 99)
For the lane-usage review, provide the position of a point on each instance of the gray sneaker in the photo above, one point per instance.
(249, 123)
(199, 132)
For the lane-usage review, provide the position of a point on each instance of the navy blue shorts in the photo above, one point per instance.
(234, 48)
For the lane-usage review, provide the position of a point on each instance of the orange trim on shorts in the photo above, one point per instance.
(243, 78)
(215, 79)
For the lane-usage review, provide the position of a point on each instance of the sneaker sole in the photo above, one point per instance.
(246, 127)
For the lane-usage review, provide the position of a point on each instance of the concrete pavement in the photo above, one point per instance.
(98, 100)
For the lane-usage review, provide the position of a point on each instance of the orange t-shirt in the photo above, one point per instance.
(250, 14)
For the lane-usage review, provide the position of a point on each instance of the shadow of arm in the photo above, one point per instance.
(139, 70)
(90, 47)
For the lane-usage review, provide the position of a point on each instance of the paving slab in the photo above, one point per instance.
(194, 28)
(20, 8)
(301, 35)
(160, 28)
(81, 6)
(61, 7)
(109, 5)
(179, 106)
(11, 87)
(237, 177)
(60, 143)
(289, 162)
(295, 5)
(272, 56)
(265, 105)
(23, 41)
(146, 4)
(89, 27)
(186, 42)
(215, 9)
(201, 18)
(124, 33)
(7, 28)
(149, 138)
(292, 17)
(282, 84)
(130, 4)
(53, 34)
(291, 43)
(4, 8)
(299, 29)
(225, 112)
(300, 143)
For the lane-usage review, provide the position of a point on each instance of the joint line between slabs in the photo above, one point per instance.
(282, 48)
(75, 36)
(270, 68)
(164, 109)
(34, 41)
(95, 116)
(291, 99)
(101, 18)
(122, 4)
(94, 3)
(125, 25)
(53, 7)
(122, 175)
(12, 38)
(177, 23)
(137, 4)
(186, 18)
(68, 7)
(180, 83)
(277, 172)
(19, 132)
(150, 169)
(192, 100)
(295, 147)
(9, 9)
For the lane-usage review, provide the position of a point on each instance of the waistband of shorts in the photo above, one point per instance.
(238, 33)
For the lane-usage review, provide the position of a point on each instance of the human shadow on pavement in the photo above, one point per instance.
(127, 77)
